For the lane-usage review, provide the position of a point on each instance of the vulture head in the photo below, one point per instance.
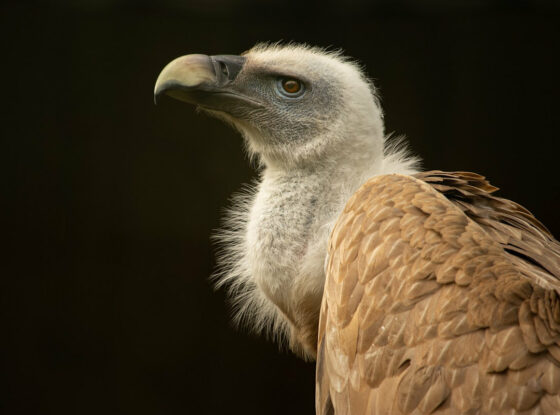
(295, 105)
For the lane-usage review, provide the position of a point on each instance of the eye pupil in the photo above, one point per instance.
(291, 86)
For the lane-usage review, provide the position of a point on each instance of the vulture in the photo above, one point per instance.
(416, 292)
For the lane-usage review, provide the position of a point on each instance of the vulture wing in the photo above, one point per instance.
(439, 298)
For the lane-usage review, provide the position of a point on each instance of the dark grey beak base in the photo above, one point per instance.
(195, 78)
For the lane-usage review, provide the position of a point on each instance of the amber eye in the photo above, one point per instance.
(290, 87)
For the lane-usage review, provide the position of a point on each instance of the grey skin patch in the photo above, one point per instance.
(288, 120)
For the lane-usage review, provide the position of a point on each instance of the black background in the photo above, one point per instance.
(110, 200)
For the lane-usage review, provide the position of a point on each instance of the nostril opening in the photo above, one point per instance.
(224, 69)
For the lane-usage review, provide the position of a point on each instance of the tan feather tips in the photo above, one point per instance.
(425, 311)
(526, 240)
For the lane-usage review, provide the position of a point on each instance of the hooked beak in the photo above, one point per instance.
(207, 81)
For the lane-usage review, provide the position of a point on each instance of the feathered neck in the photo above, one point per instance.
(274, 242)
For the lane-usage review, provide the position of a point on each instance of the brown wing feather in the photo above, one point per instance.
(439, 298)
(510, 224)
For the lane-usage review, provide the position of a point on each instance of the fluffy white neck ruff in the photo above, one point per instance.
(274, 243)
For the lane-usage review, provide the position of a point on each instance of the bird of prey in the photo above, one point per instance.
(416, 292)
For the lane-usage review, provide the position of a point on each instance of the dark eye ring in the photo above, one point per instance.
(290, 87)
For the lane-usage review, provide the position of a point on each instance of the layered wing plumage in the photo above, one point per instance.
(439, 298)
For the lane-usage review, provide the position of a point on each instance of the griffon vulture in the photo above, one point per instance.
(416, 292)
